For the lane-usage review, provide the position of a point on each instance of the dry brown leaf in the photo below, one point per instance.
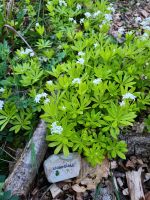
(130, 164)
(78, 188)
(91, 176)
(144, 13)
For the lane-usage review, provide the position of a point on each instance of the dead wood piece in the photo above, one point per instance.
(138, 145)
(26, 168)
(135, 185)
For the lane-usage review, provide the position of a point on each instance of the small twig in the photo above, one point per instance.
(45, 192)
(11, 149)
(6, 160)
(12, 29)
(7, 153)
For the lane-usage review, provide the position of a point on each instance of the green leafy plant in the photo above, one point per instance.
(58, 62)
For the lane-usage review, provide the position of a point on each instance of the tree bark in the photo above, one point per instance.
(26, 168)
(138, 145)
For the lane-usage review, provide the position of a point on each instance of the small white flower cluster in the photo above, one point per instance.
(146, 24)
(97, 81)
(27, 52)
(81, 20)
(80, 60)
(76, 80)
(47, 100)
(87, 14)
(2, 90)
(96, 13)
(39, 96)
(128, 95)
(79, 6)
(81, 53)
(49, 82)
(122, 103)
(1, 104)
(56, 129)
(63, 107)
(72, 20)
(62, 3)
(110, 8)
(108, 18)
(96, 44)
(37, 24)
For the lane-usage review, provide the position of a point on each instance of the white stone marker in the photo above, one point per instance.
(58, 167)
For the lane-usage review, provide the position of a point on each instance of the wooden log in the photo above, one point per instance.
(138, 145)
(26, 168)
(135, 185)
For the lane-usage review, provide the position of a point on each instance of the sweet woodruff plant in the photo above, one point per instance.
(86, 86)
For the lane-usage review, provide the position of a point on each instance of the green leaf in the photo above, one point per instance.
(121, 155)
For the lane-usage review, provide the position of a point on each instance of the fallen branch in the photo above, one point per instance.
(25, 170)
(135, 185)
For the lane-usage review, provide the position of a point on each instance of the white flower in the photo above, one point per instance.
(121, 30)
(80, 61)
(95, 45)
(39, 96)
(62, 3)
(37, 24)
(78, 6)
(128, 95)
(32, 54)
(71, 19)
(122, 103)
(2, 89)
(108, 17)
(47, 100)
(81, 53)
(138, 19)
(111, 9)
(97, 81)
(43, 94)
(1, 104)
(56, 129)
(63, 108)
(81, 20)
(87, 14)
(96, 13)
(27, 51)
(74, 21)
(76, 80)
(49, 82)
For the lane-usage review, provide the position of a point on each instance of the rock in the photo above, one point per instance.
(125, 192)
(113, 165)
(55, 190)
(58, 167)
